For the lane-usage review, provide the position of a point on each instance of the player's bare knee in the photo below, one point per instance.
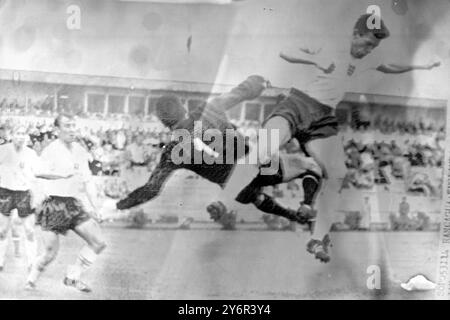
(29, 234)
(50, 250)
(15, 232)
(50, 253)
(47, 259)
(3, 234)
(99, 246)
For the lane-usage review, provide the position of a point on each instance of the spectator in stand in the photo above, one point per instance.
(366, 211)
(110, 160)
(120, 140)
(136, 153)
(3, 135)
(402, 221)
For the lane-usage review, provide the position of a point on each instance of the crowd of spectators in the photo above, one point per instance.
(112, 149)
(384, 150)
(377, 151)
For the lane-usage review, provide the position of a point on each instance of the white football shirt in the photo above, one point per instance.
(17, 167)
(58, 159)
(330, 88)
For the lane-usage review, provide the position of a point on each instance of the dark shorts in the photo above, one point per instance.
(60, 214)
(11, 199)
(308, 118)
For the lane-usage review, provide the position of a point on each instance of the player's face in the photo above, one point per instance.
(67, 129)
(19, 137)
(362, 45)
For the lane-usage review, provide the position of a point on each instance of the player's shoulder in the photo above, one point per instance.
(54, 145)
(30, 151)
(53, 149)
(80, 149)
(5, 146)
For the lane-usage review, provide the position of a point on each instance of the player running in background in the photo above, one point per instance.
(310, 114)
(212, 116)
(18, 165)
(15, 222)
(67, 182)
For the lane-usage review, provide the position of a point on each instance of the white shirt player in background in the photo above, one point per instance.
(18, 164)
(336, 70)
(69, 204)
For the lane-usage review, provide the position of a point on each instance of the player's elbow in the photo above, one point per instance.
(286, 57)
(283, 56)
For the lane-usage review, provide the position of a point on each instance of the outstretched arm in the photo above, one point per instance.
(152, 188)
(49, 176)
(307, 57)
(393, 68)
(301, 55)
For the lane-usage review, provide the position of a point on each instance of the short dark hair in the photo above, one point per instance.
(59, 117)
(361, 27)
(169, 110)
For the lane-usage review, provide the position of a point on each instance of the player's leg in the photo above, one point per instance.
(253, 194)
(268, 204)
(28, 220)
(244, 173)
(300, 166)
(331, 154)
(29, 223)
(90, 232)
(4, 228)
(311, 183)
(16, 224)
(6, 206)
(292, 166)
(50, 241)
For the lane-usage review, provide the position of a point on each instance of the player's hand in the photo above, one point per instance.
(432, 65)
(327, 68)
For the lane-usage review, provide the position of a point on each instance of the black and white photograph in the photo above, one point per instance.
(224, 150)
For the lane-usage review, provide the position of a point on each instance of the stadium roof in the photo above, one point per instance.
(193, 87)
(381, 99)
(120, 82)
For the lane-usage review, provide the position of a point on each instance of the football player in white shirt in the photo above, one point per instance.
(5, 133)
(18, 165)
(66, 180)
(311, 112)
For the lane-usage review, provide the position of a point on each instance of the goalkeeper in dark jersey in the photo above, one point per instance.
(212, 116)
